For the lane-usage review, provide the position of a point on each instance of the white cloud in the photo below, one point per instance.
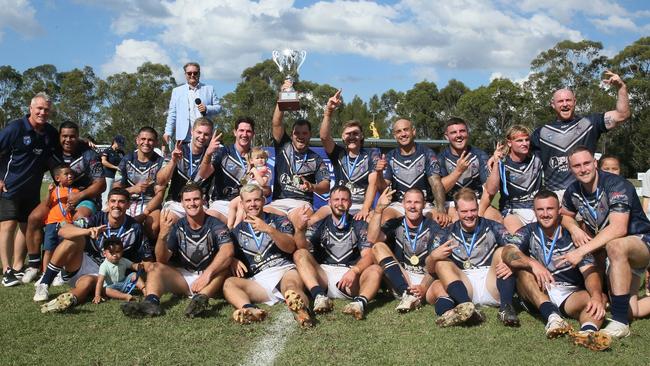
(19, 15)
(132, 53)
(425, 73)
(615, 23)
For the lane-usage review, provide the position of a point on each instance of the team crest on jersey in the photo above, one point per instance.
(27, 140)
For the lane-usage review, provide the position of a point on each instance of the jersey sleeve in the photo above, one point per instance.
(322, 173)
(484, 171)
(440, 237)
(121, 175)
(567, 202)
(373, 157)
(598, 120)
(389, 227)
(8, 135)
(95, 167)
(222, 235)
(388, 172)
(146, 249)
(619, 195)
(313, 235)
(521, 239)
(432, 165)
(277, 145)
(283, 225)
(337, 151)
(362, 232)
(172, 238)
(501, 234)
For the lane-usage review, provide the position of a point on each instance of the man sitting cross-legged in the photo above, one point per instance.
(468, 263)
(193, 255)
(557, 287)
(341, 265)
(402, 245)
(264, 247)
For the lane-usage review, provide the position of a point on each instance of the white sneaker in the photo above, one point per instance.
(556, 326)
(355, 308)
(58, 280)
(322, 304)
(42, 292)
(616, 329)
(30, 275)
(61, 303)
(409, 302)
(38, 282)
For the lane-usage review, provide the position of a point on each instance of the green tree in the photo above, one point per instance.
(10, 83)
(78, 98)
(422, 106)
(449, 97)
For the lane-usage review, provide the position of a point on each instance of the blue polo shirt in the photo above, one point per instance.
(24, 154)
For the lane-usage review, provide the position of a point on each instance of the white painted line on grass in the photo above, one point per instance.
(271, 345)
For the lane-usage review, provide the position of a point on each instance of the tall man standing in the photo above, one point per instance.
(26, 144)
(189, 102)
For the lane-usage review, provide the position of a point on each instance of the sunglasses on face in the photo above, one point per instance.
(192, 73)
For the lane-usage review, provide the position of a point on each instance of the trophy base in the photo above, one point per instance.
(288, 101)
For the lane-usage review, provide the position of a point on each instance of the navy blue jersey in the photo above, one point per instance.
(229, 169)
(132, 171)
(522, 180)
(554, 141)
(473, 177)
(353, 172)
(114, 157)
(411, 171)
(86, 166)
(481, 244)
(24, 154)
(187, 170)
(338, 246)
(613, 194)
(257, 250)
(192, 249)
(402, 242)
(136, 245)
(290, 164)
(529, 240)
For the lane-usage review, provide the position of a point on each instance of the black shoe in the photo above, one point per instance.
(19, 273)
(9, 278)
(141, 309)
(197, 305)
(508, 316)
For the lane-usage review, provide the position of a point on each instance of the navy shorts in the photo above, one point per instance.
(51, 237)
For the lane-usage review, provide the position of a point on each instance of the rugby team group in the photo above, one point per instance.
(569, 239)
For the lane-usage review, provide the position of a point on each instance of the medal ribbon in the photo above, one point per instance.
(302, 161)
(504, 181)
(258, 239)
(353, 166)
(469, 249)
(342, 222)
(239, 157)
(414, 242)
(549, 254)
(190, 168)
(119, 231)
(58, 200)
(592, 210)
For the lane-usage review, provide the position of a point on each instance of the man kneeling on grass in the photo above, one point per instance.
(193, 258)
(556, 287)
(264, 247)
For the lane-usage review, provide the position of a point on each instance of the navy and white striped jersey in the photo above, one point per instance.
(289, 163)
(478, 246)
(522, 180)
(229, 169)
(86, 165)
(133, 171)
(473, 177)
(411, 171)
(257, 250)
(554, 141)
(414, 243)
(529, 240)
(187, 170)
(338, 246)
(354, 170)
(613, 194)
(194, 250)
(136, 244)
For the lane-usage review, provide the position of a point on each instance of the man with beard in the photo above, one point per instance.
(340, 264)
(264, 247)
(354, 165)
(409, 166)
(227, 165)
(553, 141)
(183, 168)
(88, 179)
(614, 220)
(468, 262)
(81, 251)
(193, 257)
(555, 287)
(400, 247)
(26, 144)
(137, 174)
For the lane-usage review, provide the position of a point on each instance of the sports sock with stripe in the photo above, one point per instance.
(315, 291)
(547, 308)
(443, 304)
(393, 273)
(51, 272)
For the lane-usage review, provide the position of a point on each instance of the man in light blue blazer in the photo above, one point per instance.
(183, 106)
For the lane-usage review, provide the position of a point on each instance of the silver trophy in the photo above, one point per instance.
(289, 61)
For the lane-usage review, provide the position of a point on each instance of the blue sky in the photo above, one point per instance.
(363, 47)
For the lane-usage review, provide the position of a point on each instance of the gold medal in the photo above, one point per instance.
(243, 180)
(467, 264)
(257, 258)
(296, 180)
(349, 185)
(415, 260)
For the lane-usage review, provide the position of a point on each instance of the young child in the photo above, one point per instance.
(60, 210)
(610, 164)
(259, 174)
(112, 281)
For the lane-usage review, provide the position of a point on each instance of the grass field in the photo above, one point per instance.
(99, 334)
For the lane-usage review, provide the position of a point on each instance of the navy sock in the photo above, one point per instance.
(443, 304)
(68, 275)
(315, 291)
(394, 275)
(34, 260)
(153, 299)
(362, 299)
(506, 290)
(458, 292)
(250, 306)
(51, 272)
(589, 326)
(619, 307)
(546, 309)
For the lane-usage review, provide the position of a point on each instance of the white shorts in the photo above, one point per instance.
(221, 207)
(136, 208)
(289, 204)
(478, 279)
(188, 276)
(334, 275)
(397, 206)
(449, 204)
(269, 279)
(560, 195)
(88, 267)
(356, 207)
(558, 292)
(525, 215)
(411, 278)
(176, 208)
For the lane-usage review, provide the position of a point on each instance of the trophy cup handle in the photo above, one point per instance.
(303, 56)
(275, 58)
